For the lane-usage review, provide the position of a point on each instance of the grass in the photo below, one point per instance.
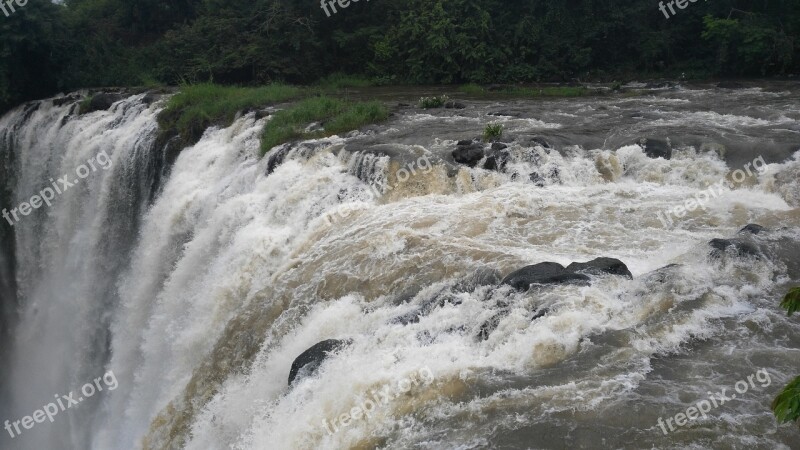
(433, 102)
(196, 107)
(791, 302)
(338, 116)
(492, 131)
(528, 92)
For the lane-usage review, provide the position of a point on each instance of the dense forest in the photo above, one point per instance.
(57, 46)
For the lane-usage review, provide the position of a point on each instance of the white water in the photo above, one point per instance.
(229, 265)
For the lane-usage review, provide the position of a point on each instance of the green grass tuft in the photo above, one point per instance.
(433, 102)
(472, 89)
(338, 115)
(791, 303)
(196, 107)
(492, 131)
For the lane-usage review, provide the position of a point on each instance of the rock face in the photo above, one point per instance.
(469, 154)
(309, 361)
(656, 148)
(599, 266)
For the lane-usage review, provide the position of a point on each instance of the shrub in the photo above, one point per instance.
(786, 405)
(492, 131)
(791, 302)
(433, 102)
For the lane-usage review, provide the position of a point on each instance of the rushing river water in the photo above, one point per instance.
(199, 284)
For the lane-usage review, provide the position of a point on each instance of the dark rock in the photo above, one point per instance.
(740, 247)
(150, 98)
(497, 160)
(454, 105)
(752, 229)
(600, 266)
(309, 361)
(499, 146)
(64, 100)
(465, 142)
(536, 179)
(656, 148)
(468, 154)
(102, 101)
(543, 273)
(541, 142)
(730, 85)
(491, 324)
(540, 313)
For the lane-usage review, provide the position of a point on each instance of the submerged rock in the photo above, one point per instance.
(599, 266)
(309, 361)
(102, 101)
(752, 229)
(656, 148)
(739, 246)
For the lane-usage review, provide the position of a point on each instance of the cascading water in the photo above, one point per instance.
(199, 289)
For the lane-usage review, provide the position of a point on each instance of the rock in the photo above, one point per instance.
(491, 324)
(505, 113)
(730, 85)
(64, 100)
(656, 148)
(102, 102)
(150, 98)
(469, 155)
(543, 273)
(536, 179)
(752, 229)
(499, 146)
(465, 142)
(454, 105)
(599, 266)
(540, 141)
(497, 160)
(741, 247)
(309, 361)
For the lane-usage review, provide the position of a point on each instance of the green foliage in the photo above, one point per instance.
(493, 131)
(791, 302)
(338, 116)
(433, 102)
(786, 405)
(196, 107)
(472, 89)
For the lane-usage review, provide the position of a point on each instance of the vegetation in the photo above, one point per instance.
(786, 405)
(47, 47)
(433, 102)
(492, 132)
(337, 116)
(196, 107)
(791, 302)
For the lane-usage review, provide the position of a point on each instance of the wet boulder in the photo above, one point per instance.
(469, 154)
(543, 273)
(309, 361)
(454, 105)
(752, 229)
(656, 148)
(738, 247)
(600, 266)
(102, 102)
